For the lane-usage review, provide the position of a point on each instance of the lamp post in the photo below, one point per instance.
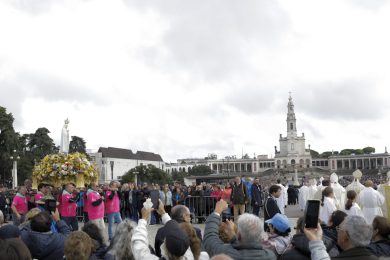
(15, 159)
(135, 179)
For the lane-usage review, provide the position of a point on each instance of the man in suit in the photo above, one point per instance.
(270, 206)
(257, 196)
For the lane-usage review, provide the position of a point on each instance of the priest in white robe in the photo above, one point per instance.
(340, 193)
(303, 196)
(312, 189)
(371, 202)
(356, 185)
(282, 200)
(381, 189)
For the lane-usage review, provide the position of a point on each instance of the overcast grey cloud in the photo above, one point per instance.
(187, 78)
(214, 40)
(345, 100)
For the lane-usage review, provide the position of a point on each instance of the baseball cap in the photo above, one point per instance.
(280, 222)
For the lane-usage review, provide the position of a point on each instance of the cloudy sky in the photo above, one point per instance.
(188, 78)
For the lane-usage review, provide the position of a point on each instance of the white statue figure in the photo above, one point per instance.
(64, 147)
(356, 185)
(338, 191)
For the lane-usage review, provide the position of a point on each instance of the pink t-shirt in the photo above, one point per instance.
(94, 212)
(112, 205)
(38, 197)
(20, 204)
(67, 209)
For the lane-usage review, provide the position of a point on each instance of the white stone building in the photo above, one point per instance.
(113, 162)
(293, 151)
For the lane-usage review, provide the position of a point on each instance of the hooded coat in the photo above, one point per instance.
(46, 245)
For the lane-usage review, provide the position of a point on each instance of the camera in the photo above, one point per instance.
(226, 216)
(50, 205)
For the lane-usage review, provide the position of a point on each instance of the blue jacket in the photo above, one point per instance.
(47, 245)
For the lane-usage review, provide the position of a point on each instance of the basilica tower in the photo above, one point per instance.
(292, 153)
(291, 120)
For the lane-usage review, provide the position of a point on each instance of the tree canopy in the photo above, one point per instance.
(77, 145)
(149, 174)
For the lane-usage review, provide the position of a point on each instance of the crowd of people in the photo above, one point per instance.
(45, 222)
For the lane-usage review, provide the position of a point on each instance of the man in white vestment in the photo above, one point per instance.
(312, 189)
(303, 196)
(356, 185)
(371, 202)
(339, 192)
(318, 195)
(282, 200)
(381, 189)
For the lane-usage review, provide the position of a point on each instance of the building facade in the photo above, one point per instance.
(113, 162)
(292, 155)
(292, 151)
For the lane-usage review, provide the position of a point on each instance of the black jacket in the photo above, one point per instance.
(239, 194)
(301, 251)
(257, 195)
(380, 248)
(356, 253)
(270, 209)
(162, 233)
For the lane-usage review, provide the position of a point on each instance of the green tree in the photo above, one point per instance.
(328, 153)
(368, 150)
(179, 176)
(314, 153)
(149, 174)
(40, 143)
(200, 170)
(8, 143)
(77, 144)
(359, 151)
(347, 151)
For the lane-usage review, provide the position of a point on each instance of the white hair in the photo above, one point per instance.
(250, 228)
(359, 232)
(120, 245)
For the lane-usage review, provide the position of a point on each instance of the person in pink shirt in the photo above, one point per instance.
(95, 204)
(41, 192)
(69, 206)
(112, 200)
(19, 206)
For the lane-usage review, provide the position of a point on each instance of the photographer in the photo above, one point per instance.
(41, 241)
(95, 203)
(113, 197)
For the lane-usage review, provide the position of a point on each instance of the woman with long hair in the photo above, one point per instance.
(328, 205)
(351, 207)
(195, 243)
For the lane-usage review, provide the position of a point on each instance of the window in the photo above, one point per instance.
(291, 126)
(292, 147)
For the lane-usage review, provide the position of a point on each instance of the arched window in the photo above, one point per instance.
(292, 162)
(291, 126)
